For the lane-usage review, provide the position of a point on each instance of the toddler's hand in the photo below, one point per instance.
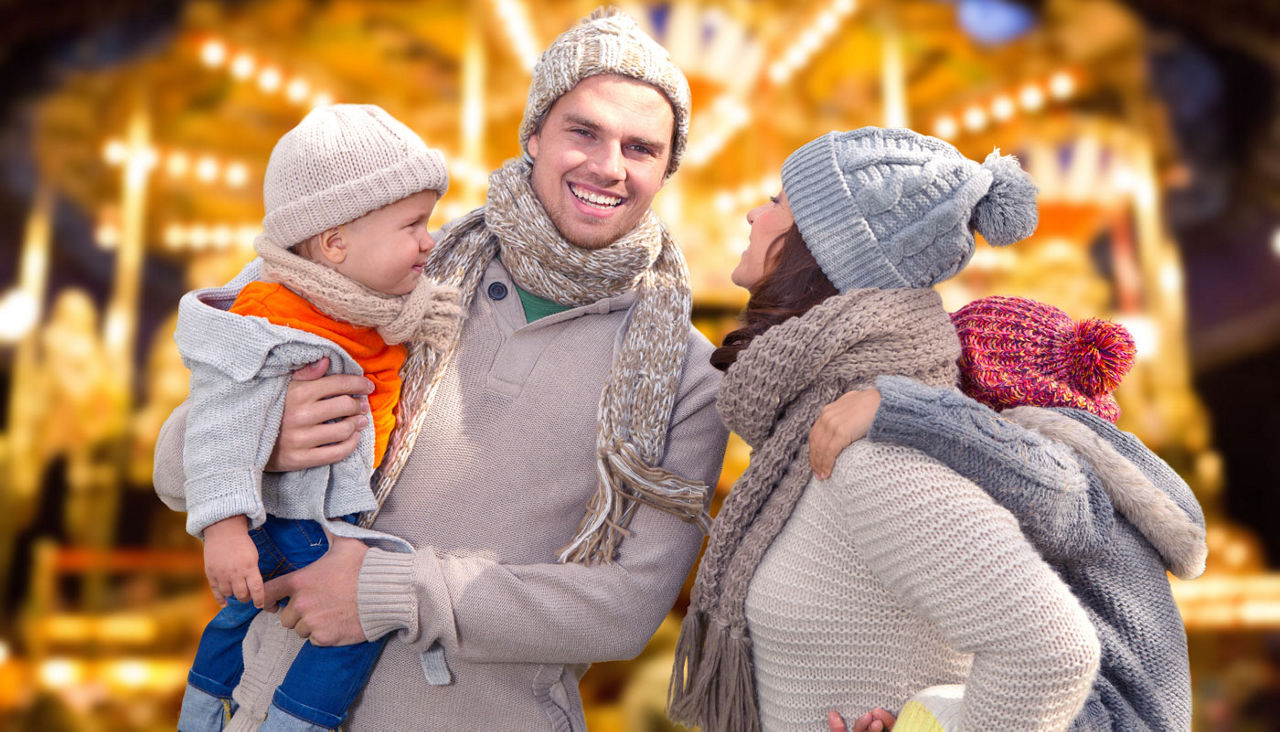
(231, 562)
(876, 720)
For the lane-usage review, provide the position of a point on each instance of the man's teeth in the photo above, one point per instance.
(595, 199)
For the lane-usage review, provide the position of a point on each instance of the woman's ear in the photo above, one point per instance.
(331, 246)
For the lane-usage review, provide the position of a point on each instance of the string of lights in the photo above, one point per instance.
(198, 236)
(244, 66)
(178, 164)
(1031, 97)
(811, 40)
(729, 113)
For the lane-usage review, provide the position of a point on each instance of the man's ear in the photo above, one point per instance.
(532, 145)
(331, 246)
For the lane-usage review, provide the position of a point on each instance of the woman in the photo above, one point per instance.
(896, 573)
(1108, 514)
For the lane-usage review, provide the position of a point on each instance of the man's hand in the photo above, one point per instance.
(323, 416)
(876, 720)
(322, 595)
(840, 423)
(231, 561)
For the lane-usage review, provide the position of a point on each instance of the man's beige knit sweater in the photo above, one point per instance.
(849, 610)
(496, 484)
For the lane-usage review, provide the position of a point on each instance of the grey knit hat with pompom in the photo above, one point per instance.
(889, 208)
(338, 164)
(607, 42)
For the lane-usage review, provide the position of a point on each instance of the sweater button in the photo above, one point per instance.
(497, 290)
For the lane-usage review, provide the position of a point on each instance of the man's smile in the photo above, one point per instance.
(595, 198)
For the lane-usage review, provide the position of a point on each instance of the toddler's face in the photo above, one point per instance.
(385, 249)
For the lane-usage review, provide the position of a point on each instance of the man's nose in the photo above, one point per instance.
(608, 163)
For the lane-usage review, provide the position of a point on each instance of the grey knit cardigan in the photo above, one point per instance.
(240, 368)
(1110, 532)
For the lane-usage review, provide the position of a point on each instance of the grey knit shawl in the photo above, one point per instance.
(771, 396)
(636, 402)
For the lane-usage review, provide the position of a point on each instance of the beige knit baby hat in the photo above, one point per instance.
(341, 162)
(607, 42)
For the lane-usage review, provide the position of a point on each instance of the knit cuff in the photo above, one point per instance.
(384, 594)
(212, 498)
(904, 403)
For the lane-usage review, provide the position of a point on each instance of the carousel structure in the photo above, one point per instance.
(163, 153)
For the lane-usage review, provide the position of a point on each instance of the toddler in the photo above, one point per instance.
(347, 194)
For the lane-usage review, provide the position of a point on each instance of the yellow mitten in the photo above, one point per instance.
(935, 709)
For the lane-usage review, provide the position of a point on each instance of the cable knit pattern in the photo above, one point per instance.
(1063, 508)
(1118, 573)
(895, 208)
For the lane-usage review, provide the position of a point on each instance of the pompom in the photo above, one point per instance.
(1098, 355)
(1008, 212)
(606, 11)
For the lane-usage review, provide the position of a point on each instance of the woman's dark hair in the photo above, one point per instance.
(793, 283)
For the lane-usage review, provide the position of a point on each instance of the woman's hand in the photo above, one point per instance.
(876, 720)
(323, 416)
(841, 423)
(231, 561)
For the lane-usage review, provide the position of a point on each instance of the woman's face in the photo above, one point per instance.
(769, 222)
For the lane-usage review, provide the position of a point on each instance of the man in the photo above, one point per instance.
(555, 488)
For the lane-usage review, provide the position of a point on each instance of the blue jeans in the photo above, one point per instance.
(323, 681)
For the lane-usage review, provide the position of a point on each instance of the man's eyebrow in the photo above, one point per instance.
(578, 121)
(574, 119)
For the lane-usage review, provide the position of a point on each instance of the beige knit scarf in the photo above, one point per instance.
(771, 397)
(428, 315)
(638, 398)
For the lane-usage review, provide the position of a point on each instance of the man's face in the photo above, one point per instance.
(600, 157)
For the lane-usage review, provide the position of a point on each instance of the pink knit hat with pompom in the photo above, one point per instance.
(1018, 352)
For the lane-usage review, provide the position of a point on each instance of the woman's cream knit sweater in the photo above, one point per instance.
(850, 610)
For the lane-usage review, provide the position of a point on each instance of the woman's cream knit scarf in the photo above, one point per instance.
(638, 398)
(771, 397)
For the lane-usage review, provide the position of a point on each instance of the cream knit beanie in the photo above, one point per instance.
(607, 42)
(341, 162)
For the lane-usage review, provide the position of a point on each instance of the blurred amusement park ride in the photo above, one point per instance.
(163, 152)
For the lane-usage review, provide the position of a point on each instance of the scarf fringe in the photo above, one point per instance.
(712, 683)
(625, 480)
